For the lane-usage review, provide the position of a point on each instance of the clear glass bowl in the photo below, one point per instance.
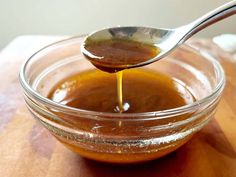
(128, 137)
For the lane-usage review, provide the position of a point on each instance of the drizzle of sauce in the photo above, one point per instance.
(114, 55)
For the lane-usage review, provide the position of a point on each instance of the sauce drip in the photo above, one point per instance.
(117, 54)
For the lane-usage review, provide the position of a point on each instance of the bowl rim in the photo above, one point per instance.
(29, 91)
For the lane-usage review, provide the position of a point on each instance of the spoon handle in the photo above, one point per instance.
(213, 16)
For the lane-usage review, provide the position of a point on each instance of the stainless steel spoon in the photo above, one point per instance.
(165, 39)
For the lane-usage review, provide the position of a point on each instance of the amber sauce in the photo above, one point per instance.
(143, 91)
(129, 91)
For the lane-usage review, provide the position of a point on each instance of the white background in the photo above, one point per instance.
(71, 17)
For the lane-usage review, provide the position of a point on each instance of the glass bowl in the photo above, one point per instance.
(126, 137)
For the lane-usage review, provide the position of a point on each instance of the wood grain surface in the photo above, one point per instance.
(28, 150)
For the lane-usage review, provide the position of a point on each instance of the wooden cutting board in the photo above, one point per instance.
(28, 150)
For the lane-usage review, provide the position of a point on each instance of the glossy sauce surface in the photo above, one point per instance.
(143, 91)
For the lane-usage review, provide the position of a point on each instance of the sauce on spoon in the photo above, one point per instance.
(115, 54)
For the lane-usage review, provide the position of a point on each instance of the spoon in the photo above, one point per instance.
(164, 39)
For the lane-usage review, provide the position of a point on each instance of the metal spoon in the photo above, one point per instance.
(165, 39)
